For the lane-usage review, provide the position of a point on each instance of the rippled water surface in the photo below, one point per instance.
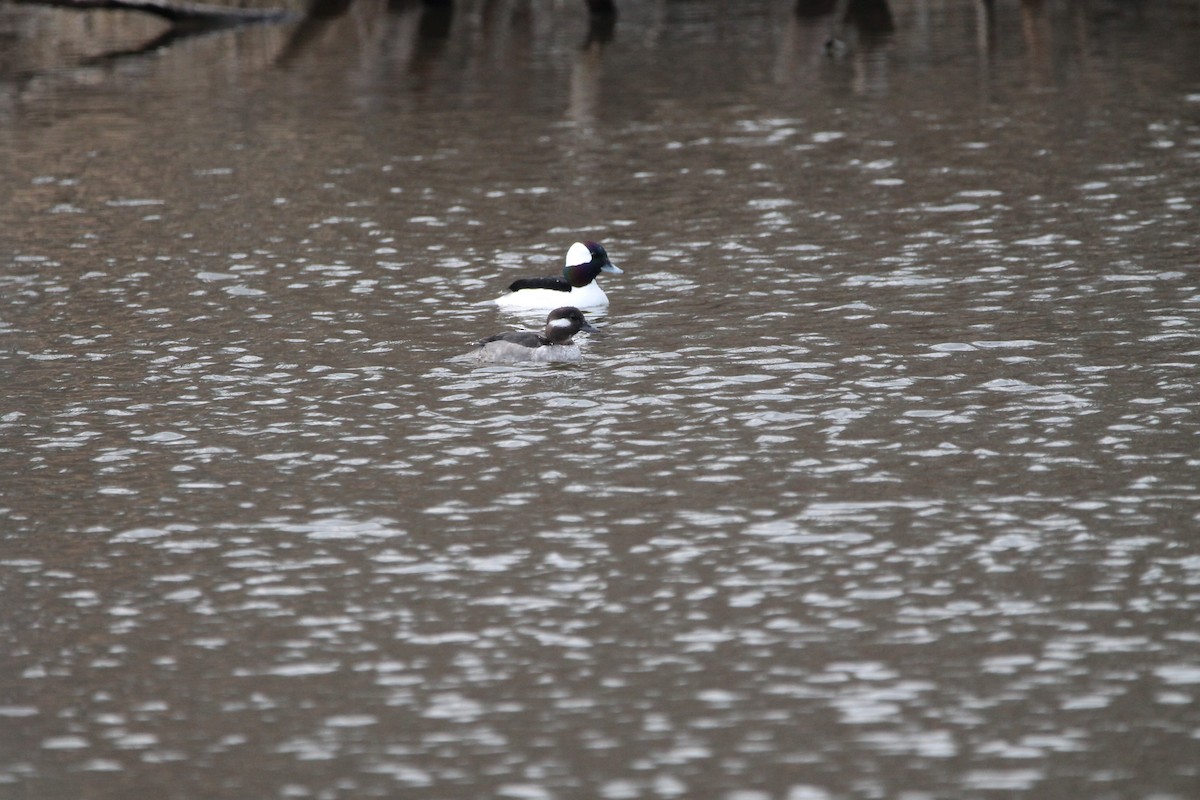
(880, 481)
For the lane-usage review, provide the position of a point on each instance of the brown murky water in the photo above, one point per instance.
(881, 480)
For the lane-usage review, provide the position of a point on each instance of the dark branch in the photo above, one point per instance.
(178, 13)
(606, 8)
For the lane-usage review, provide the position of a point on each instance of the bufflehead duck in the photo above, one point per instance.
(553, 344)
(585, 260)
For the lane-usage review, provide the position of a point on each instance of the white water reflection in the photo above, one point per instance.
(878, 479)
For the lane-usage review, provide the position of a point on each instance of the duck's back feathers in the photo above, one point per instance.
(554, 284)
(522, 338)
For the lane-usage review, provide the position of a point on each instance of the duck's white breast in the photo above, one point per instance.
(590, 296)
(502, 352)
(557, 353)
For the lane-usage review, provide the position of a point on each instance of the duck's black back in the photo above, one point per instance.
(523, 338)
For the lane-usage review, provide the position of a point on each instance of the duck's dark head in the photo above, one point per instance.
(565, 322)
(586, 260)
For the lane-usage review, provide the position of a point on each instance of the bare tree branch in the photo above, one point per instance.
(177, 13)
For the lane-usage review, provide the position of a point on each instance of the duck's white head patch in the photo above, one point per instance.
(578, 254)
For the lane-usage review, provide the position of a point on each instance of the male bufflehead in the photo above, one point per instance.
(585, 260)
(554, 344)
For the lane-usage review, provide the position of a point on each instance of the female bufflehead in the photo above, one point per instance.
(554, 344)
(585, 260)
